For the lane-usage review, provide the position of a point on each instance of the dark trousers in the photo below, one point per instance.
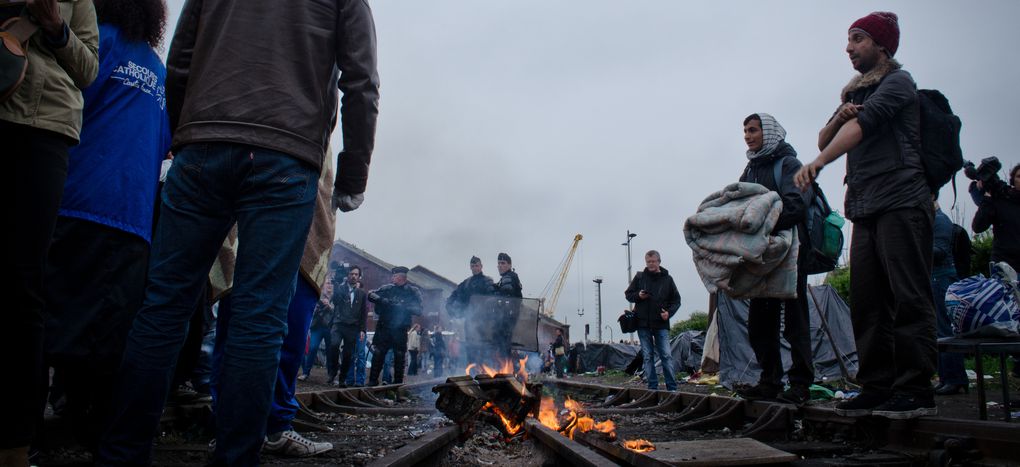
(891, 302)
(951, 368)
(345, 338)
(763, 319)
(95, 279)
(437, 364)
(412, 367)
(191, 354)
(384, 341)
(40, 169)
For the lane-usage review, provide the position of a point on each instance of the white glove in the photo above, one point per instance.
(346, 202)
(164, 169)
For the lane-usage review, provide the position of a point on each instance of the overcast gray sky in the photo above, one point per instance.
(512, 125)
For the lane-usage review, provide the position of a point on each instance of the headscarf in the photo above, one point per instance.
(772, 133)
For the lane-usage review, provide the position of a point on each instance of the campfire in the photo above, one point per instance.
(504, 398)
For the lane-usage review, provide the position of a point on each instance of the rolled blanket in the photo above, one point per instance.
(733, 248)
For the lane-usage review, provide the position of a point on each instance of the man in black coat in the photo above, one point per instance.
(655, 299)
(458, 305)
(350, 313)
(889, 201)
(506, 309)
(395, 304)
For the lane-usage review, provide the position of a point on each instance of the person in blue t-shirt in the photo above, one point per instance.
(95, 273)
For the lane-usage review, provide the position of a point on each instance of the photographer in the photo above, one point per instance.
(998, 208)
(656, 300)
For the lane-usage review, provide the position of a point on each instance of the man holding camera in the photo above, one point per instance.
(655, 299)
(889, 202)
(998, 207)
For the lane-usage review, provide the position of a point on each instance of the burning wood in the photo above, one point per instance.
(506, 399)
(639, 445)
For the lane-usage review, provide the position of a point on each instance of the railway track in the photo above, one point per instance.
(682, 425)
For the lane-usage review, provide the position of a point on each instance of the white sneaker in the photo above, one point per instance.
(291, 444)
(302, 377)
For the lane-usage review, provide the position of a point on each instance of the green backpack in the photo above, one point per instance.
(824, 228)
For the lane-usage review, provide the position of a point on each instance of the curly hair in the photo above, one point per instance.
(138, 20)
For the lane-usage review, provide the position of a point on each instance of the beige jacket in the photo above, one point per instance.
(50, 97)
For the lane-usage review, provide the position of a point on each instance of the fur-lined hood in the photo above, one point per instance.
(871, 78)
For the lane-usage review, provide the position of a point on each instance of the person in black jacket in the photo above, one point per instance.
(767, 151)
(478, 326)
(507, 309)
(655, 300)
(999, 208)
(889, 202)
(395, 304)
(347, 326)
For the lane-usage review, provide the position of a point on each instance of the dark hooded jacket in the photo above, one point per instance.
(1001, 212)
(761, 170)
(664, 296)
(884, 171)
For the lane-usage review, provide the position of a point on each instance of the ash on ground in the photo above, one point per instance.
(488, 448)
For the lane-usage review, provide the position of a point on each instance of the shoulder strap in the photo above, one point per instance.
(777, 173)
(21, 28)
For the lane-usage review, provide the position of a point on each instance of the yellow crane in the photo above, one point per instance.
(551, 293)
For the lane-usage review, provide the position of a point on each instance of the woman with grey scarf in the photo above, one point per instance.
(768, 150)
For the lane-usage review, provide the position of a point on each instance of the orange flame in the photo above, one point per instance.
(639, 445)
(576, 421)
(547, 414)
(511, 427)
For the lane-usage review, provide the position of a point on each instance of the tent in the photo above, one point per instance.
(613, 356)
(737, 364)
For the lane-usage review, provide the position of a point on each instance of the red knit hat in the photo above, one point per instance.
(883, 27)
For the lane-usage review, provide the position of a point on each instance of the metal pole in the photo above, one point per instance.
(630, 276)
(598, 306)
(610, 328)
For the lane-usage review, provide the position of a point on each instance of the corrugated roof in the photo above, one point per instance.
(420, 276)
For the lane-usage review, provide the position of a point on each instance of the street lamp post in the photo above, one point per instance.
(598, 305)
(630, 236)
(610, 328)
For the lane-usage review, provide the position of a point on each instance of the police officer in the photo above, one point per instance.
(507, 309)
(509, 284)
(395, 304)
(478, 284)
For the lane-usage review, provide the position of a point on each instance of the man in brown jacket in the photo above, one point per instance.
(252, 94)
(38, 123)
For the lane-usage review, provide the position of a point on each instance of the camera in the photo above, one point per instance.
(986, 172)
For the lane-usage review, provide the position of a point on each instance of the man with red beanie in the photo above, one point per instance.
(888, 200)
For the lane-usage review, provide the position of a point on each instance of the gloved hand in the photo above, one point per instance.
(346, 202)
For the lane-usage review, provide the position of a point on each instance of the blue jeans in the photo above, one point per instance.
(951, 369)
(299, 317)
(271, 197)
(316, 336)
(356, 375)
(657, 341)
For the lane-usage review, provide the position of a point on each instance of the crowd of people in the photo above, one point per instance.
(122, 247)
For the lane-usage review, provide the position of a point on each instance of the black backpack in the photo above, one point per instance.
(824, 229)
(940, 139)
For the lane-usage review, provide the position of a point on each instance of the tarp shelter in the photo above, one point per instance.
(685, 348)
(613, 356)
(737, 364)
